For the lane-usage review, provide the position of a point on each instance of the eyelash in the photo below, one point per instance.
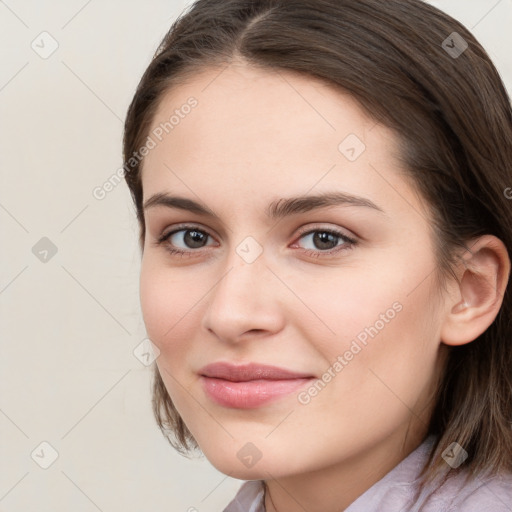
(348, 244)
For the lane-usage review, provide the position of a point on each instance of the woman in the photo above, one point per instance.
(325, 228)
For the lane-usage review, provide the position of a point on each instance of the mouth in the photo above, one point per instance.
(249, 386)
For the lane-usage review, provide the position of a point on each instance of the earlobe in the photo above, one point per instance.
(479, 292)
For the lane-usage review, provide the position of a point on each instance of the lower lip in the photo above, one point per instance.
(250, 394)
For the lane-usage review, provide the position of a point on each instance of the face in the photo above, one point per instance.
(340, 294)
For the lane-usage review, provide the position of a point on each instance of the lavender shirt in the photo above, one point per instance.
(395, 491)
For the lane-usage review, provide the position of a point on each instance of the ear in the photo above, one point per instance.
(478, 295)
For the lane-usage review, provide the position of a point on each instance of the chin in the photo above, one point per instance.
(236, 469)
(244, 463)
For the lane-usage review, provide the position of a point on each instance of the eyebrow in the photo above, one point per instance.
(276, 210)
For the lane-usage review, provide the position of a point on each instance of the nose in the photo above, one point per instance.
(246, 301)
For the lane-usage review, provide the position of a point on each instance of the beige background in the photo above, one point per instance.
(69, 325)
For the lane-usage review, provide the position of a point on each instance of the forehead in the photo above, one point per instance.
(251, 97)
(261, 133)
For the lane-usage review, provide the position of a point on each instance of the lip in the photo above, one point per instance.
(251, 371)
(250, 385)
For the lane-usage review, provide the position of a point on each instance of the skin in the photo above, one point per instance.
(254, 137)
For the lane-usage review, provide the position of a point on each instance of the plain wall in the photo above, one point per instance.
(70, 321)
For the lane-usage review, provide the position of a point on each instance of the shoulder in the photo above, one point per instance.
(457, 492)
(249, 498)
(480, 494)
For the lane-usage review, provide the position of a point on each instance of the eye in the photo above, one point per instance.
(326, 242)
(190, 238)
(186, 239)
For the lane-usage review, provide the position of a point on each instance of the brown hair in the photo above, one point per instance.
(453, 118)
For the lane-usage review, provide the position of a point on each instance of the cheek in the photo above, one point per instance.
(391, 354)
(378, 318)
(352, 304)
(167, 305)
(168, 312)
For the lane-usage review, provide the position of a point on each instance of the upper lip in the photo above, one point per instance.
(251, 371)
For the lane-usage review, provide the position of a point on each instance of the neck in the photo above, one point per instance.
(334, 488)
